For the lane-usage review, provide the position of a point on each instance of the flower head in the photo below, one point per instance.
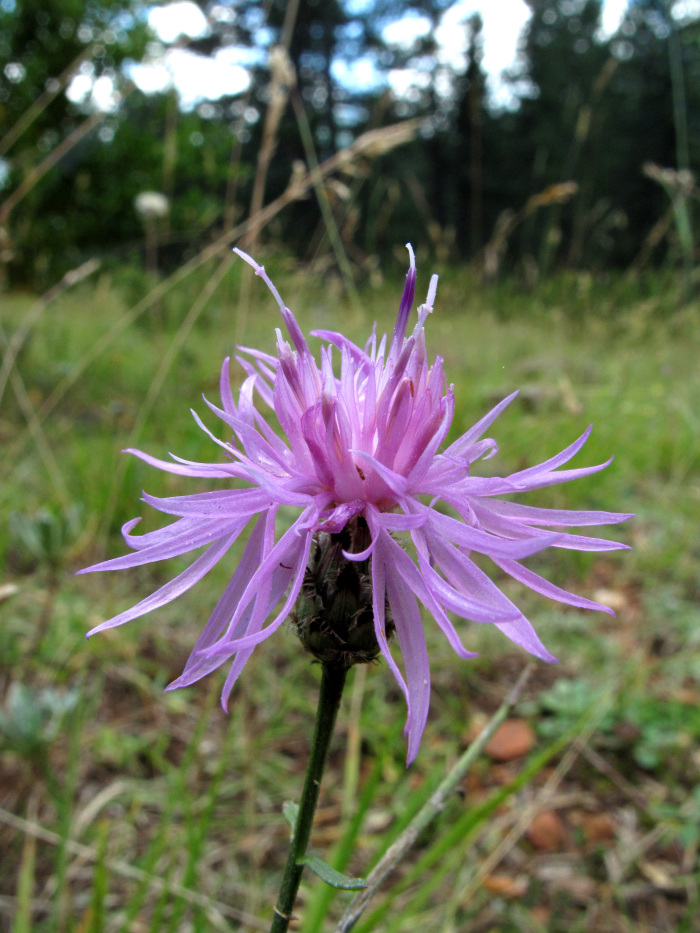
(360, 450)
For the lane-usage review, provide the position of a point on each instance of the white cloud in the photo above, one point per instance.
(104, 95)
(686, 9)
(198, 78)
(613, 13)
(404, 32)
(151, 78)
(359, 74)
(79, 89)
(173, 20)
(100, 94)
(404, 80)
(503, 21)
(503, 24)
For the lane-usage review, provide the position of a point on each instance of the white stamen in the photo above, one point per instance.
(412, 259)
(425, 309)
(260, 270)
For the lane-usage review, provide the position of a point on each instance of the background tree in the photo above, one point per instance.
(44, 48)
(590, 110)
(595, 112)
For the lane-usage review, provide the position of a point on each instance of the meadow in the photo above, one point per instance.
(126, 809)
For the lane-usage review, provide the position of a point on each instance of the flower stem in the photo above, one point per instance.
(332, 683)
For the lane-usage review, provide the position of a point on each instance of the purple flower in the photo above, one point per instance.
(364, 444)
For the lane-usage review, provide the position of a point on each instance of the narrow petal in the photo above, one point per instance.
(426, 446)
(197, 665)
(228, 502)
(513, 529)
(413, 578)
(473, 434)
(411, 637)
(266, 358)
(476, 540)
(537, 583)
(193, 536)
(173, 589)
(464, 574)
(536, 516)
(341, 515)
(205, 470)
(521, 633)
(378, 612)
(539, 481)
(395, 521)
(281, 578)
(339, 341)
(395, 481)
(406, 304)
(548, 465)
(252, 440)
(294, 546)
(225, 389)
(487, 606)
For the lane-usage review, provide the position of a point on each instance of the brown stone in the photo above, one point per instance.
(599, 827)
(505, 886)
(513, 739)
(547, 831)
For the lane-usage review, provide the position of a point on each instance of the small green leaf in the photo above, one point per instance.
(332, 877)
(291, 811)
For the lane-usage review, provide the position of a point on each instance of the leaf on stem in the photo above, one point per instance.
(290, 809)
(332, 877)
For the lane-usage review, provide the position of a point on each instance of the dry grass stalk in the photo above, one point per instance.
(282, 81)
(507, 222)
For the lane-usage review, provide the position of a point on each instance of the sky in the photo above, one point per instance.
(198, 78)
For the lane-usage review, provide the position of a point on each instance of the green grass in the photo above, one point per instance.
(177, 804)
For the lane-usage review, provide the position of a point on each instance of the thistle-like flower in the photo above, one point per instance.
(360, 459)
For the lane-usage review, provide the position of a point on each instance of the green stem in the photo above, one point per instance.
(332, 683)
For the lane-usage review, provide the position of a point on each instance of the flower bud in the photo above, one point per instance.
(333, 615)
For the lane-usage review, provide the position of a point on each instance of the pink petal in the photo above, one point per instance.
(473, 434)
(537, 583)
(409, 631)
(173, 589)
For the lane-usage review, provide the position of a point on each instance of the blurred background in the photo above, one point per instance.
(216, 106)
(542, 157)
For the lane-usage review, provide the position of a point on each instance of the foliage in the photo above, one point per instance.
(591, 110)
(30, 721)
(656, 730)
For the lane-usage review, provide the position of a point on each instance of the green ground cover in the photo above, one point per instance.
(125, 809)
